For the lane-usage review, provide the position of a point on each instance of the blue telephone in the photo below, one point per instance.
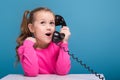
(57, 37)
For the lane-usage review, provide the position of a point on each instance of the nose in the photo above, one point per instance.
(48, 27)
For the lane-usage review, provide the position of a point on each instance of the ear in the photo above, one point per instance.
(30, 26)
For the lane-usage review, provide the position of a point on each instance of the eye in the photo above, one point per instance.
(52, 23)
(42, 22)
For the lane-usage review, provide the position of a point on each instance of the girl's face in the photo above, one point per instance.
(43, 26)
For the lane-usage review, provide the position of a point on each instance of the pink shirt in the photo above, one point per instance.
(51, 60)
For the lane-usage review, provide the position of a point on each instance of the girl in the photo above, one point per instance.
(36, 51)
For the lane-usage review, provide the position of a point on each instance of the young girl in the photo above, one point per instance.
(36, 51)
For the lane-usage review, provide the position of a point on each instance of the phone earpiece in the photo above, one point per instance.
(57, 37)
(59, 20)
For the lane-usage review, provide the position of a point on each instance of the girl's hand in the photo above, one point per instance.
(31, 39)
(67, 33)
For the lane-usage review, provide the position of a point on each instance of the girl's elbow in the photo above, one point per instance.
(63, 72)
(31, 74)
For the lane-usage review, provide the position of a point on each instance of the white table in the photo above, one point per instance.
(52, 77)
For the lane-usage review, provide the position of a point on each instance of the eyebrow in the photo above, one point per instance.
(44, 19)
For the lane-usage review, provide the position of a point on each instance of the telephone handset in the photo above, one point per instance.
(57, 37)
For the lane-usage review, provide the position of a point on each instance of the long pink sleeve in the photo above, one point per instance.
(28, 58)
(51, 60)
(63, 63)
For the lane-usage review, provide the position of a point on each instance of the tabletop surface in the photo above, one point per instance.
(52, 77)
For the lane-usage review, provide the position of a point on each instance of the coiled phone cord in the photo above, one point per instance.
(81, 63)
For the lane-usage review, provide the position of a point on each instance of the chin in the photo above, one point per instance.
(48, 41)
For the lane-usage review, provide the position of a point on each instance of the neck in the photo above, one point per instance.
(41, 46)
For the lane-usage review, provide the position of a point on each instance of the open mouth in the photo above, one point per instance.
(48, 34)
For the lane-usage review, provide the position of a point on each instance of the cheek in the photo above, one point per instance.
(38, 32)
(53, 29)
(38, 29)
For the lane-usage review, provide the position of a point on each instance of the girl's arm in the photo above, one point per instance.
(63, 63)
(28, 58)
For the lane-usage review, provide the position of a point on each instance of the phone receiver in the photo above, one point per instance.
(57, 37)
